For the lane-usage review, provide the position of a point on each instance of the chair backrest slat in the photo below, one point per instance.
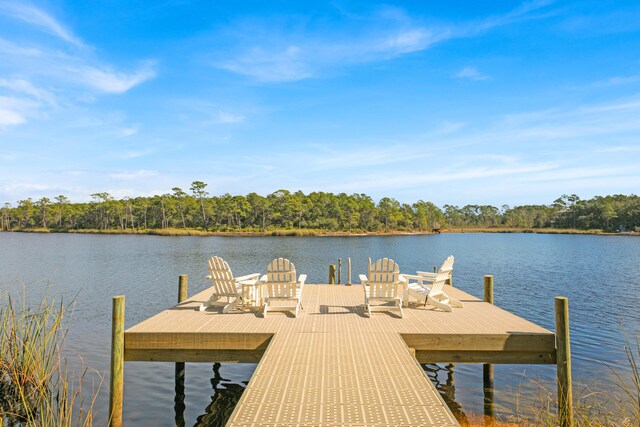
(281, 279)
(221, 276)
(438, 284)
(383, 278)
(447, 265)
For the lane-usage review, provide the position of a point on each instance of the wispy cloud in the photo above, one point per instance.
(470, 73)
(227, 117)
(38, 18)
(129, 131)
(286, 64)
(290, 52)
(555, 149)
(10, 118)
(25, 87)
(612, 81)
(134, 154)
(109, 81)
(42, 75)
(15, 110)
(132, 175)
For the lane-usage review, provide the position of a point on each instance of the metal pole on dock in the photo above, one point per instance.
(563, 360)
(487, 368)
(183, 292)
(339, 271)
(116, 377)
(332, 274)
(349, 271)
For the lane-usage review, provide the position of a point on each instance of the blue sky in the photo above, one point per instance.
(452, 102)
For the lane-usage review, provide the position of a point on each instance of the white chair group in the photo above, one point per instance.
(279, 284)
(435, 295)
(385, 284)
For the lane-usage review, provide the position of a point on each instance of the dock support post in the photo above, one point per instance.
(332, 274)
(487, 368)
(349, 271)
(563, 356)
(183, 287)
(178, 401)
(339, 271)
(488, 288)
(116, 383)
(489, 405)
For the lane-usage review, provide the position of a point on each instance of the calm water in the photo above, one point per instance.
(599, 274)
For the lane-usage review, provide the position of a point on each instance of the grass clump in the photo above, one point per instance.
(36, 388)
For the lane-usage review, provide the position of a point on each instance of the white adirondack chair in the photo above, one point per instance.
(382, 283)
(280, 284)
(225, 285)
(447, 266)
(435, 295)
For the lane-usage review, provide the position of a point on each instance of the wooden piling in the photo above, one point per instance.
(488, 288)
(487, 368)
(116, 383)
(332, 274)
(489, 405)
(339, 271)
(563, 357)
(349, 271)
(183, 287)
(179, 407)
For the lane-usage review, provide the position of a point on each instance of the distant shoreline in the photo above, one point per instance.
(177, 232)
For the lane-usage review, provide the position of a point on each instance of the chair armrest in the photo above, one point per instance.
(263, 278)
(248, 277)
(363, 278)
(209, 277)
(301, 279)
(426, 274)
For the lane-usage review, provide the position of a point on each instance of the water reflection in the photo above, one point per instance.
(442, 378)
(179, 399)
(224, 400)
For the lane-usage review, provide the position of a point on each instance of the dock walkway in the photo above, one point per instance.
(332, 365)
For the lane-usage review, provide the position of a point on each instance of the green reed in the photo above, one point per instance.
(592, 407)
(36, 386)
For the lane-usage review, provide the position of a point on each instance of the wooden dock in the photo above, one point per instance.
(332, 365)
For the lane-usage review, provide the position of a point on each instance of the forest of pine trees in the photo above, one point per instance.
(317, 210)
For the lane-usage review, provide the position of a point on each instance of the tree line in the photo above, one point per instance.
(317, 210)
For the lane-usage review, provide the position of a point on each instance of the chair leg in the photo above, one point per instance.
(266, 306)
(230, 305)
(438, 304)
(455, 303)
(369, 309)
(400, 307)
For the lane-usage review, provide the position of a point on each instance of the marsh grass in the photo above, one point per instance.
(36, 386)
(592, 408)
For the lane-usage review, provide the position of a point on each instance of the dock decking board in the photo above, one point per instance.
(333, 365)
